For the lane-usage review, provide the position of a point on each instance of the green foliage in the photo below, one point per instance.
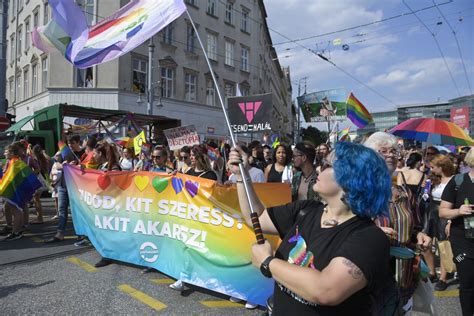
(314, 135)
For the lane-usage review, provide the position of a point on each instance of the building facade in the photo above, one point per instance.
(235, 36)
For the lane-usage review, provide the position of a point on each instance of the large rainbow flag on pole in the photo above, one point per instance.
(357, 112)
(111, 38)
(19, 183)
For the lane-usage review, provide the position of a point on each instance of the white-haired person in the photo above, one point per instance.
(403, 225)
(457, 205)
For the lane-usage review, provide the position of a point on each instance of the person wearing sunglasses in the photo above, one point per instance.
(183, 163)
(332, 258)
(159, 158)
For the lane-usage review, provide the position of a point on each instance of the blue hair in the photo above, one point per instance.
(364, 177)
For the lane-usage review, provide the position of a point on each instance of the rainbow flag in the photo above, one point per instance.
(212, 153)
(88, 162)
(344, 135)
(65, 151)
(19, 183)
(357, 112)
(114, 36)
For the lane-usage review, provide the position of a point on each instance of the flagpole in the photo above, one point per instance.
(254, 216)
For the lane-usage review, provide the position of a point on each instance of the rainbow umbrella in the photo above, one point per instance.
(432, 131)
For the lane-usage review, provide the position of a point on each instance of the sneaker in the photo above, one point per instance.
(6, 230)
(433, 278)
(147, 270)
(249, 305)
(82, 243)
(103, 262)
(13, 236)
(441, 286)
(235, 299)
(54, 217)
(177, 286)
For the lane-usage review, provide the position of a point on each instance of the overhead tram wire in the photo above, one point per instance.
(360, 25)
(401, 28)
(437, 45)
(339, 68)
(457, 44)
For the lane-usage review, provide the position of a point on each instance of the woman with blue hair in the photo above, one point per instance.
(332, 259)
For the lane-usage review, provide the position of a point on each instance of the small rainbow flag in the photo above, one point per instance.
(212, 153)
(88, 161)
(65, 151)
(19, 183)
(344, 134)
(357, 112)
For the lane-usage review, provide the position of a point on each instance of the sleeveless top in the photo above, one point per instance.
(273, 175)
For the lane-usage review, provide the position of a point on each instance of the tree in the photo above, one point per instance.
(314, 135)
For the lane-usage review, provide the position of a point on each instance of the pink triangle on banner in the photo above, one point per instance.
(242, 107)
(256, 107)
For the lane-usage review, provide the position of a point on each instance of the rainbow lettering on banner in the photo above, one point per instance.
(111, 38)
(184, 226)
(357, 112)
(19, 183)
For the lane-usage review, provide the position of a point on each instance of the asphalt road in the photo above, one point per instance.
(37, 278)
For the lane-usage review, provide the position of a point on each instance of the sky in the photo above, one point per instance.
(398, 58)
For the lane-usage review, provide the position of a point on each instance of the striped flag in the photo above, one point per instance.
(65, 151)
(357, 112)
(19, 183)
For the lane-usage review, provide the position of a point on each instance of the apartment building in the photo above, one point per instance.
(236, 38)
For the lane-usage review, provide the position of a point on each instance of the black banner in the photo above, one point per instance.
(250, 114)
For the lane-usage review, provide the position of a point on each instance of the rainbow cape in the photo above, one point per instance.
(89, 162)
(357, 112)
(212, 153)
(19, 183)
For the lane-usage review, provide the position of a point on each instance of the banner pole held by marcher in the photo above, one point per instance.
(254, 216)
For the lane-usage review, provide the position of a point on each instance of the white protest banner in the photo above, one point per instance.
(181, 136)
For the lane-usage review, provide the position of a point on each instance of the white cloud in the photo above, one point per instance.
(417, 73)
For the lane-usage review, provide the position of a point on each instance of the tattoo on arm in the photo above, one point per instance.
(354, 271)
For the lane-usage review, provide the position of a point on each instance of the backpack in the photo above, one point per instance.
(458, 179)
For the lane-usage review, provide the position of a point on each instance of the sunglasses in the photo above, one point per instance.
(156, 157)
(183, 157)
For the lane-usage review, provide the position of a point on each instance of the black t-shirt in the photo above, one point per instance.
(458, 239)
(211, 175)
(357, 240)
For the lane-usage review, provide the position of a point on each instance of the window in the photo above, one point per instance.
(190, 87)
(45, 13)
(244, 90)
(167, 82)
(12, 47)
(168, 34)
(19, 39)
(211, 7)
(190, 39)
(229, 12)
(34, 79)
(244, 23)
(88, 7)
(212, 46)
(27, 34)
(44, 75)
(245, 60)
(12, 89)
(229, 89)
(229, 53)
(20, 5)
(26, 84)
(18, 87)
(13, 8)
(84, 78)
(192, 2)
(210, 93)
(35, 18)
(139, 73)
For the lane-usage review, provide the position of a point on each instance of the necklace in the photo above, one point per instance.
(329, 222)
(309, 177)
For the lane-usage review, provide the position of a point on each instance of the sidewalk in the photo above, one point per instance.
(32, 246)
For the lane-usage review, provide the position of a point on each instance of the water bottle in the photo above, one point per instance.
(468, 222)
(426, 190)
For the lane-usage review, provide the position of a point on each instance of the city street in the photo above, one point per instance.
(37, 278)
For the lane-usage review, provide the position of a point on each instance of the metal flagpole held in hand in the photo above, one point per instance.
(253, 215)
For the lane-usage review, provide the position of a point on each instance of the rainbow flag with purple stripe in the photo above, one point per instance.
(357, 112)
(19, 183)
(65, 151)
